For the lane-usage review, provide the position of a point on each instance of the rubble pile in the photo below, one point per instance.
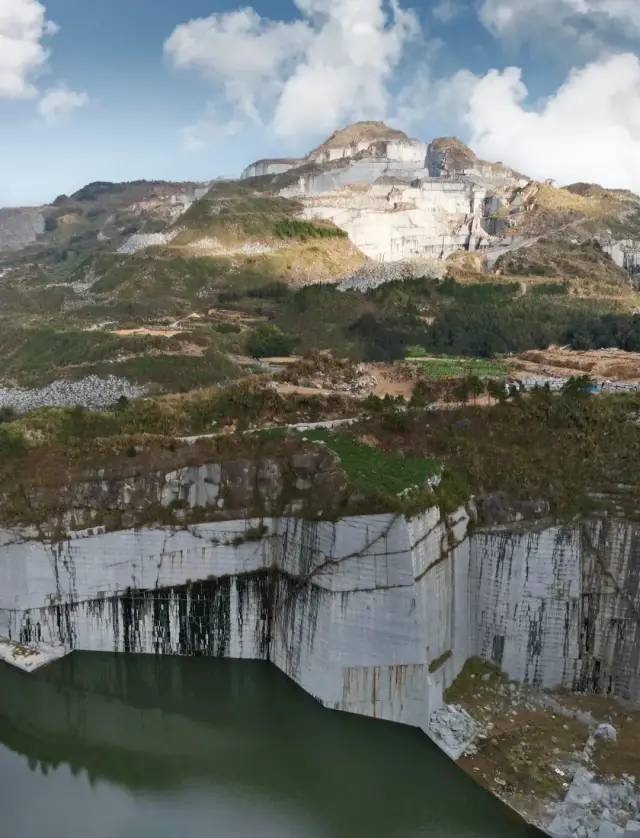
(373, 274)
(91, 392)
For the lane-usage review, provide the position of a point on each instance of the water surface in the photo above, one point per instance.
(114, 746)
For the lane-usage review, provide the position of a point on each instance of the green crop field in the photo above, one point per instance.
(452, 367)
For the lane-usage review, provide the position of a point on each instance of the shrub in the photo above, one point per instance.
(578, 385)
(269, 341)
(12, 443)
(295, 228)
(8, 414)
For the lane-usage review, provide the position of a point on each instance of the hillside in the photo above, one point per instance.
(175, 285)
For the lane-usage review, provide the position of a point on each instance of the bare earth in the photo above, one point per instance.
(605, 364)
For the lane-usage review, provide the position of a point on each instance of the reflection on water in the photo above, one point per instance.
(108, 746)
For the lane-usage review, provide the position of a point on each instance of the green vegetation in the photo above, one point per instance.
(34, 356)
(479, 320)
(12, 443)
(450, 367)
(471, 678)
(239, 214)
(371, 470)
(435, 665)
(555, 257)
(175, 373)
(575, 451)
(270, 341)
(295, 228)
(619, 330)
(29, 354)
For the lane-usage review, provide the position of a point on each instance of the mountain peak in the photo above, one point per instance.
(361, 132)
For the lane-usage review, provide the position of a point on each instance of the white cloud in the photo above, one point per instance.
(60, 101)
(427, 101)
(244, 54)
(299, 78)
(23, 26)
(589, 130)
(447, 11)
(586, 25)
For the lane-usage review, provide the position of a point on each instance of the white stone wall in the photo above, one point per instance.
(357, 612)
(335, 606)
(626, 254)
(269, 167)
(524, 592)
(391, 223)
(560, 607)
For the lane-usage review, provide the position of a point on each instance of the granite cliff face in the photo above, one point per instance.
(20, 227)
(355, 610)
(370, 614)
(398, 198)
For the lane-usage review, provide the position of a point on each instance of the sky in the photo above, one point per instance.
(195, 89)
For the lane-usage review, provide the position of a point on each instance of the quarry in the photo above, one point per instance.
(383, 615)
(370, 416)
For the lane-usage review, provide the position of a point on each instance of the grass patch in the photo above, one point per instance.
(296, 228)
(176, 373)
(466, 684)
(435, 665)
(370, 470)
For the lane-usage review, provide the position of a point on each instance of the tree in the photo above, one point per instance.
(578, 385)
(497, 390)
(476, 386)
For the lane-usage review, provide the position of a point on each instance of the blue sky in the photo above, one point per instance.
(129, 89)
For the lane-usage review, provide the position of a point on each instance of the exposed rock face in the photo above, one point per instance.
(294, 482)
(373, 614)
(271, 167)
(391, 222)
(396, 197)
(626, 254)
(100, 213)
(447, 157)
(369, 139)
(561, 607)
(141, 241)
(19, 227)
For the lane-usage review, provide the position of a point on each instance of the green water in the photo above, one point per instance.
(106, 746)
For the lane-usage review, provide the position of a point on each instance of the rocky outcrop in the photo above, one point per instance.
(270, 167)
(393, 222)
(626, 255)
(20, 227)
(397, 198)
(249, 483)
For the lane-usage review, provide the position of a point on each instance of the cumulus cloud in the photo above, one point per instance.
(23, 27)
(331, 65)
(589, 25)
(60, 101)
(243, 53)
(589, 130)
